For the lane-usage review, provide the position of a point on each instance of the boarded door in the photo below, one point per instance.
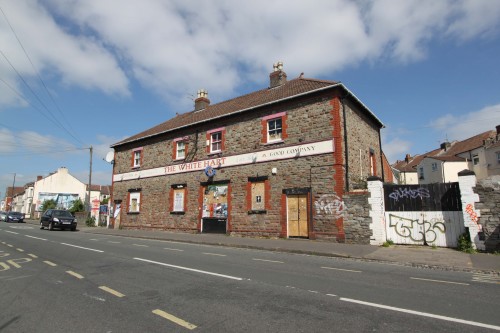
(297, 215)
(424, 214)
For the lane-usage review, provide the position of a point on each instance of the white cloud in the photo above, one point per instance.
(54, 51)
(177, 47)
(395, 148)
(467, 125)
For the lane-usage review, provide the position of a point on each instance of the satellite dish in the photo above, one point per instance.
(110, 157)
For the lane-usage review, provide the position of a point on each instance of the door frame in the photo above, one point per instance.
(306, 191)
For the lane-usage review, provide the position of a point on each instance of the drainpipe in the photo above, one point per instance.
(381, 157)
(346, 150)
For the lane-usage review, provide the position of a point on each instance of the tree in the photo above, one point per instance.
(77, 206)
(49, 204)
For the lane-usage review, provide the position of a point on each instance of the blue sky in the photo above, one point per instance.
(80, 73)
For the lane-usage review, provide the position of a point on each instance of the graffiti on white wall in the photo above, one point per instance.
(469, 209)
(329, 204)
(417, 230)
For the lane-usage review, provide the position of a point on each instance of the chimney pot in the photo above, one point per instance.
(277, 76)
(498, 129)
(201, 101)
(407, 158)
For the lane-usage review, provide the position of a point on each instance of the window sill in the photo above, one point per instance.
(250, 212)
(136, 167)
(214, 153)
(177, 213)
(180, 159)
(272, 143)
(133, 213)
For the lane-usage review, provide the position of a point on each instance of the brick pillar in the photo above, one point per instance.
(467, 182)
(377, 210)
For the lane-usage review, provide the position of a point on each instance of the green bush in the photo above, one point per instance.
(388, 243)
(465, 244)
(90, 221)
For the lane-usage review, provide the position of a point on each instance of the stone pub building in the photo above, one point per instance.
(276, 162)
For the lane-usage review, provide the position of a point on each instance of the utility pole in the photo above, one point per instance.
(90, 183)
(12, 193)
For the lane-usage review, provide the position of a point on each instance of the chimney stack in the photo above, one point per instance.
(278, 76)
(445, 145)
(498, 129)
(407, 158)
(201, 101)
(39, 178)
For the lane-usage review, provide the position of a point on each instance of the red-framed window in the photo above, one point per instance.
(134, 199)
(258, 195)
(216, 140)
(274, 128)
(178, 199)
(180, 149)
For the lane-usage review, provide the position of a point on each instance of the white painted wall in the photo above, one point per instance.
(445, 172)
(59, 182)
(408, 178)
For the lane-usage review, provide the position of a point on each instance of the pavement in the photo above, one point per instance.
(415, 256)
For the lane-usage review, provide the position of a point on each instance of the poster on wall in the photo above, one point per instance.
(63, 200)
(215, 201)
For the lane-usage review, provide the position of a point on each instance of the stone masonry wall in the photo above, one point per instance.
(357, 218)
(489, 206)
(308, 119)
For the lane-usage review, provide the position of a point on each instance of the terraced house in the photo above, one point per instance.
(276, 162)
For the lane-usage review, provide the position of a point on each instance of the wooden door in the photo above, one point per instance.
(297, 216)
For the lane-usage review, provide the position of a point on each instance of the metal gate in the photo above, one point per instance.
(424, 214)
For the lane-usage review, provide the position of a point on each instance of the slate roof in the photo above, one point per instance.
(470, 143)
(290, 89)
(411, 165)
(449, 155)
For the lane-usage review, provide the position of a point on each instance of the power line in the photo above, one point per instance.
(54, 119)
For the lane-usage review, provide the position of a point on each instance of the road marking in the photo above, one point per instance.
(313, 291)
(275, 261)
(78, 276)
(9, 245)
(50, 263)
(35, 237)
(423, 314)
(17, 277)
(440, 281)
(141, 245)
(174, 319)
(214, 254)
(114, 242)
(32, 255)
(331, 295)
(342, 269)
(167, 248)
(84, 248)
(12, 232)
(20, 250)
(111, 291)
(488, 278)
(191, 269)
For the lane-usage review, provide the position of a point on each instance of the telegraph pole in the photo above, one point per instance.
(12, 193)
(90, 183)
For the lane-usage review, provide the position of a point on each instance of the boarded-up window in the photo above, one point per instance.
(258, 196)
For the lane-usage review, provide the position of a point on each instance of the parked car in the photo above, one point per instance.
(57, 218)
(3, 216)
(14, 217)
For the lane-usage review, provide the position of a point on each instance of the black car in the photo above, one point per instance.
(14, 217)
(56, 218)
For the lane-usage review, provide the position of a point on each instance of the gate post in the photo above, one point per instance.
(467, 181)
(377, 210)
